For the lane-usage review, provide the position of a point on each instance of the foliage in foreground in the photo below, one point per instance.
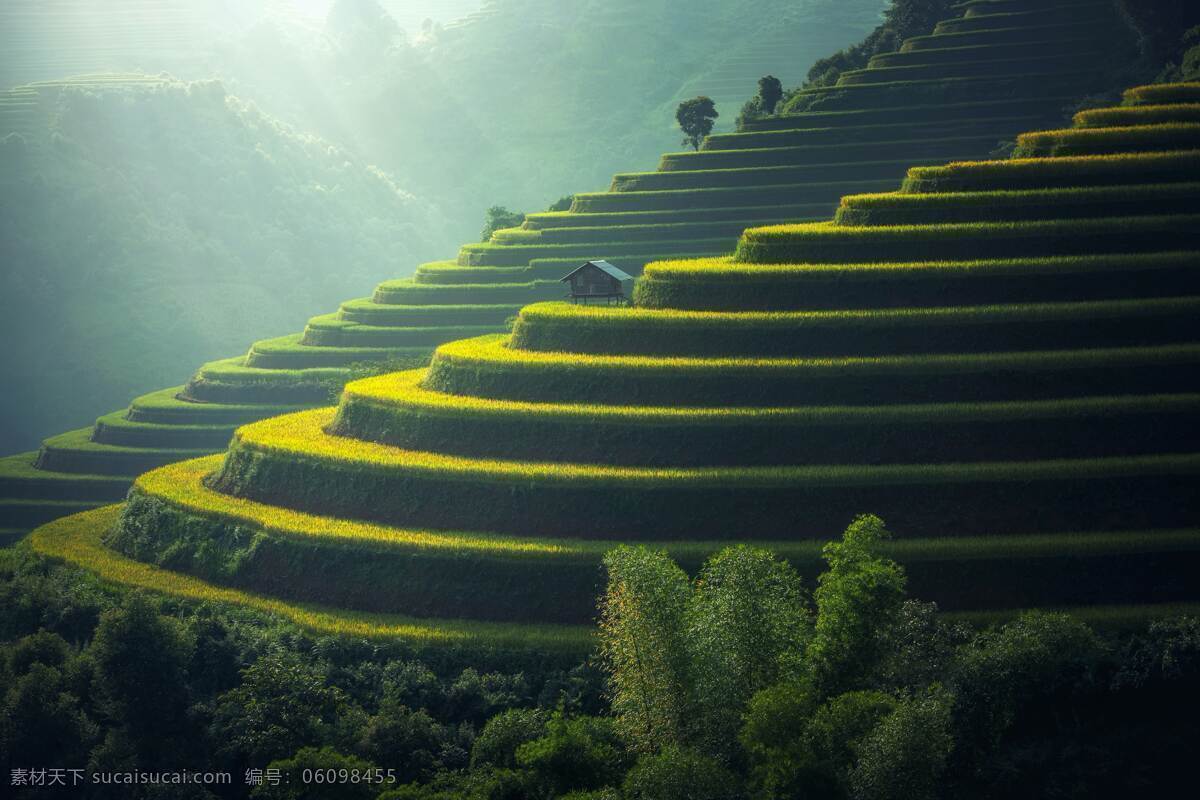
(862, 693)
(737, 684)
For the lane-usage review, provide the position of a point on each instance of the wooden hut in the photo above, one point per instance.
(599, 280)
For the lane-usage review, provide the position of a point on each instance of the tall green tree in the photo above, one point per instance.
(643, 629)
(141, 662)
(748, 626)
(857, 597)
(770, 92)
(695, 118)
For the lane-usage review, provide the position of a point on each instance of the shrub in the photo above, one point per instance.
(578, 753)
(498, 217)
(676, 773)
(497, 743)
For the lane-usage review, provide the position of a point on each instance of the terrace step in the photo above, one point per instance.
(768, 176)
(957, 112)
(291, 353)
(1058, 172)
(405, 292)
(996, 127)
(826, 242)
(75, 452)
(731, 197)
(1000, 327)
(367, 312)
(232, 381)
(499, 255)
(116, 429)
(28, 514)
(807, 155)
(721, 284)
(331, 331)
(986, 68)
(78, 540)
(486, 367)
(1104, 141)
(20, 480)
(396, 410)
(1136, 115)
(293, 463)
(166, 407)
(573, 219)
(556, 580)
(981, 52)
(898, 208)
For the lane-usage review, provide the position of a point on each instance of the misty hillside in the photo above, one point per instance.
(197, 224)
(526, 100)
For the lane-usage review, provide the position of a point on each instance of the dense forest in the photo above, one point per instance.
(838, 687)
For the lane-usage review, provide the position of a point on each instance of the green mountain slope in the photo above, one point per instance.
(195, 221)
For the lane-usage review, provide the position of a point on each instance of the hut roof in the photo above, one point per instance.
(604, 266)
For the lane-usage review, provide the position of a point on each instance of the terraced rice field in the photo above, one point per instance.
(1023, 416)
(47, 39)
(785, 169)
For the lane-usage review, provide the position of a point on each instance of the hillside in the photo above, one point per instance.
(787, 168)
(196, 222)
(999, 358)
(591, 86)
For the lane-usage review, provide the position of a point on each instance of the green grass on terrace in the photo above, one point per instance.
(19, 478)
(76, 452)
(288, 352)
(697, 233)
(900, 208)
(501, 255)
(291, 461)
(847, 172)
(117, 429)
(1066, 171)
(332, 332)
(1163, 93)
(913, 148)
(971, 53)
(572, 219)
(949, 112)
(826, 242)
(180, 488)
(1037, 58)
(365, 311)
(1097, 28)
(719, 284)
(562, 327)
(1087, 141)
(165, 407)
(301, 437)
(882, 132)
(1124, 116)
(78, 540)
(232, 381)
(396, 410)
(669, 199)
(408, 293)
(486, 367)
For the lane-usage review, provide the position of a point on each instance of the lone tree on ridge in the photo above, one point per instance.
(770, 92)
(695, 118)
